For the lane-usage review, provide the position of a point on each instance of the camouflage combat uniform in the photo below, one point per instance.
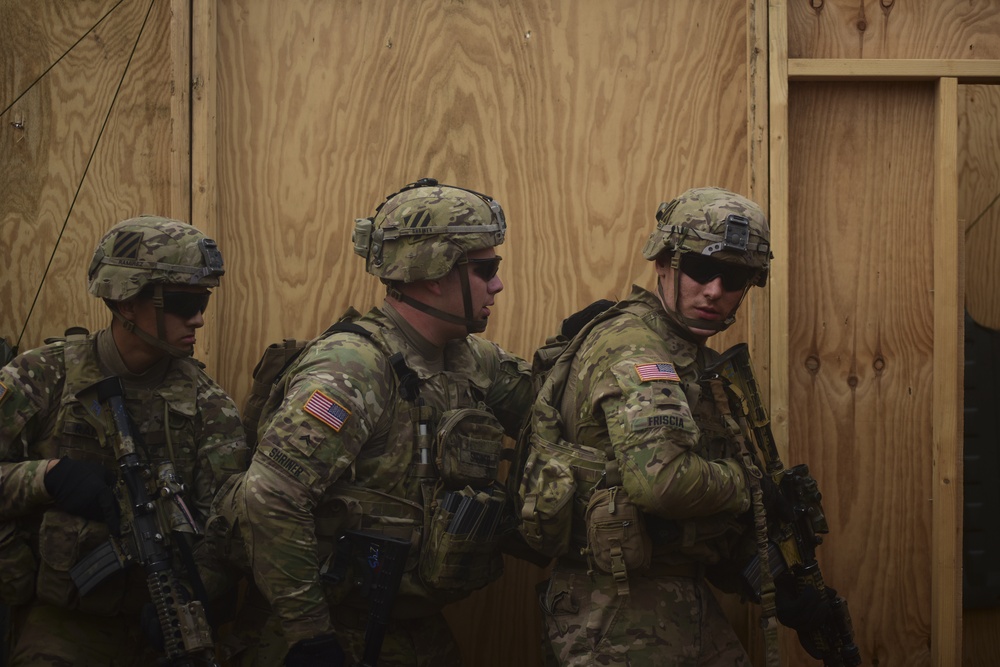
(182, 415)
(638, 391)
(676, 455)
(338, 450)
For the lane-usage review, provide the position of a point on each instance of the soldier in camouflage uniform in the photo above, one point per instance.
(637, 388)
(56, 465)
(386, 429)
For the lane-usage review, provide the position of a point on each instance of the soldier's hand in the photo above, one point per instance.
(84, 489)
(776, 506)
(316, 652)
(802, 610)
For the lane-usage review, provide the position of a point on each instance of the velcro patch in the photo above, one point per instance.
(657, 371)
(127, 245)
(327, 410)
(80, 429)
(285, 462)
(652, 421)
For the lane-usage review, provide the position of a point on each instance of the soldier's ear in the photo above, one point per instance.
(125, 308)
(429, 286)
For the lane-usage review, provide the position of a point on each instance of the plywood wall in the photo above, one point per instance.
(90, 134)
(580, 118)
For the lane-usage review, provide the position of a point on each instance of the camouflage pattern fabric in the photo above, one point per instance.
(419, 642)
(52, 637)
(695, 221)
(407, 242)
(40, 419)
(666, 621)
(670, 468)
(635, 385)
(148, 250)
(338, 427)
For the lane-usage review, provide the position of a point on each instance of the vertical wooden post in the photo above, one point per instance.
(758, 146)
(946, 573)
(180, 112)
(778, 160)
(204, 197)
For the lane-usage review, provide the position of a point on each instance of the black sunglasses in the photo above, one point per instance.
(703, 270)
(486, 267)
(185, 304)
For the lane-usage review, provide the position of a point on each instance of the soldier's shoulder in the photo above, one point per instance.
(35, 377)
(47, 362)
(624, 328)
(343, 358)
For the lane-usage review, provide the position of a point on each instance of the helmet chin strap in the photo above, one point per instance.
(471, 324)
(159, 342)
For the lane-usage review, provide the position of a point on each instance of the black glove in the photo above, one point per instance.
(84, 489)
(775, 505)
(802, 611)
(807, 640)
(319, 651)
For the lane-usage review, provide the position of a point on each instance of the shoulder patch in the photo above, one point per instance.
(327, 410)
(3, 391)
(658, 371)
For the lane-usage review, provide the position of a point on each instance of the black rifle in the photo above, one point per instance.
(376, 563)
(793, 542)
(187, 636)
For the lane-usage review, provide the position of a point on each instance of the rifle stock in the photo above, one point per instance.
(186, 633)
(795, 539)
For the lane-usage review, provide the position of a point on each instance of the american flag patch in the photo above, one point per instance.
(649, 372)
(3, 391)
(327, 410)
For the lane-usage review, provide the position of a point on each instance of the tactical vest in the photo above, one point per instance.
(560, 477)
(429, 463)
(168, 434)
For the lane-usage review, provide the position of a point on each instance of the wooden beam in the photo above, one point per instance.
(778, 160)
(204, 202)
(835, 69)
(758, 144)
(946, 530)
(203, 186)
(180, 114)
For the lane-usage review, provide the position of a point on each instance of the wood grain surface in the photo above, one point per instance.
(579, 120)
(938, 29)
(860, 347)
(979, 199)
(86, 137)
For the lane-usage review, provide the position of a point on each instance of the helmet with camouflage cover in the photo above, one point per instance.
(714, 222)
(709, 228)
(422, 231)
(151, 250)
